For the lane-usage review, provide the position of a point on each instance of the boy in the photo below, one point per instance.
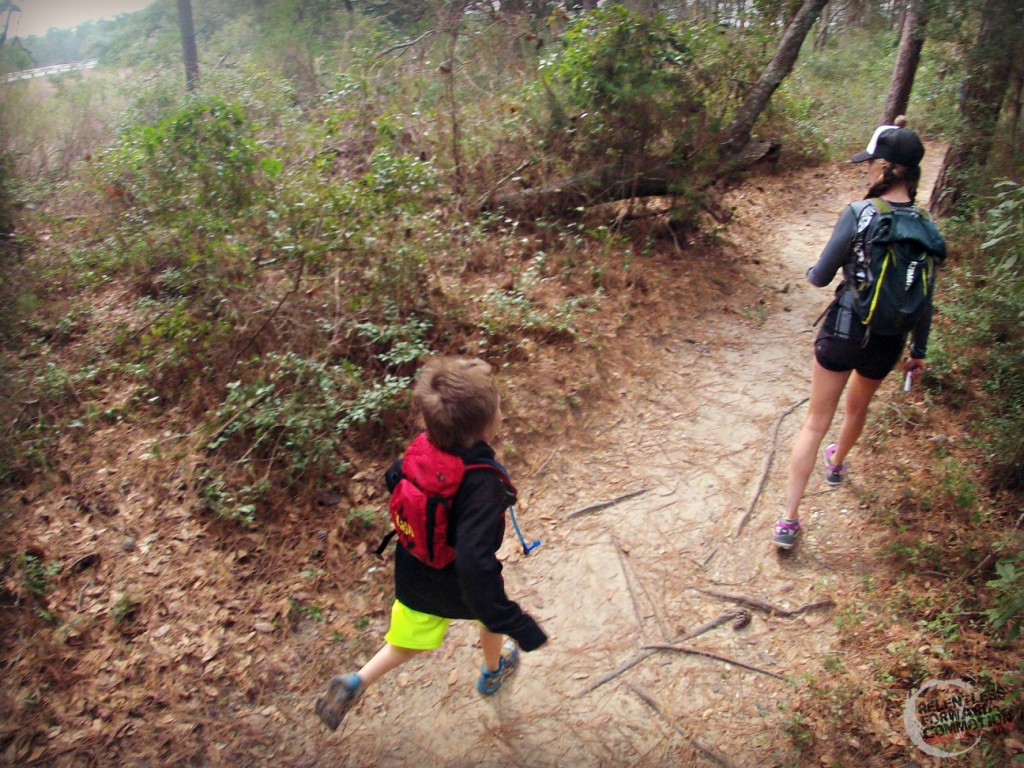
(458, 398)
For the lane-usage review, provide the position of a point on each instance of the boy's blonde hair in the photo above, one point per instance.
(458, 398)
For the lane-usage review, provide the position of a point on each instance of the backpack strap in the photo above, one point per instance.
(495, 466)
(379, 551)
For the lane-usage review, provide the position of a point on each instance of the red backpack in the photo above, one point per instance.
(421, 501)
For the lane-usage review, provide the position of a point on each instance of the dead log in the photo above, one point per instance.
(611, 185)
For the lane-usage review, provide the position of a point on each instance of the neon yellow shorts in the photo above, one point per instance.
(414, 630)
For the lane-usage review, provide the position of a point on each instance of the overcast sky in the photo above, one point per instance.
(37, 16)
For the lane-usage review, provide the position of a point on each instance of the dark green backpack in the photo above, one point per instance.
(893, 276)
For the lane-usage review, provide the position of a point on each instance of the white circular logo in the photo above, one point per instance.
(948, 717)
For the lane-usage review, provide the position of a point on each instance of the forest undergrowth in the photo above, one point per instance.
(213, 305)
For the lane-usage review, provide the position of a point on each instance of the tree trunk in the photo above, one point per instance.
(824, 23)
(1016, 102)
(188, 44)
(983, 92)
(907, 59)
(738, 132)
(11, 8)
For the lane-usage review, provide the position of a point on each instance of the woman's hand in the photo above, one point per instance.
(914, 367)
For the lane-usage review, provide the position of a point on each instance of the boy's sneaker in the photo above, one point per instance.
(833, 472)
(490, 682)
(786, 532)
(342, 692)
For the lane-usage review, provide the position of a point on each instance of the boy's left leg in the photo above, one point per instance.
(501, 659)
(490, 643)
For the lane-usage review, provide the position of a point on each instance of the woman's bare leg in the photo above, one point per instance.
(858, 397)
(826, 389)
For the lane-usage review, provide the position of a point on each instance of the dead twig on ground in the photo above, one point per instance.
(704, 563)
(767, 465)
(544, 464)
(636, 659)
(711, 754)
(629, 571)
(708, 654)
(629, 583)
(605, 504)
(761, 605)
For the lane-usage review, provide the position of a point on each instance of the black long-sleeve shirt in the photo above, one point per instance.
(839, 251)
(472, 587)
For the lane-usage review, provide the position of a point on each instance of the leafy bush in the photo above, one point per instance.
(1005, 232)
(633, 93)
(984, 300)
(1008, 594)
(1008, 589)
(297, 414)
(202, 157)
(6, 202)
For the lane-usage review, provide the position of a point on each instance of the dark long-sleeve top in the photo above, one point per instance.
(472, 587)
(838, 252)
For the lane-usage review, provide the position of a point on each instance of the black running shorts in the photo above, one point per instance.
(872, 361)
(840, 346)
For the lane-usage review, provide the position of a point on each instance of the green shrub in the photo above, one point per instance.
(202, 157)
(297, 413)
(1008, 595)
(630, 94)
(984, 300)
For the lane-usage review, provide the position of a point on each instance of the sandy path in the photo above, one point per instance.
(692, 432)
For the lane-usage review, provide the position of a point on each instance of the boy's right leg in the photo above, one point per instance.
(386, 659)
(490, 644)
(408, 628)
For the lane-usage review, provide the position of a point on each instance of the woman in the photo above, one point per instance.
(847, 351)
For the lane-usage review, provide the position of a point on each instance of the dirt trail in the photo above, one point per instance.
(694, 431)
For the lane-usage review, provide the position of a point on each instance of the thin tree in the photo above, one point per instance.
(10, 8)
(738, 133)
(188, 44)
(907, 58)
(983, 92)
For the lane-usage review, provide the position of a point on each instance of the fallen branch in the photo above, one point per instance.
(634, 660)
(629, 584)
(708, 654)
(630, 575)
(760, 605)
(767, 465)
(519, 169)
(711, 754)
(605, 504)
(407, 44)
(706, 560)
(296, 283)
